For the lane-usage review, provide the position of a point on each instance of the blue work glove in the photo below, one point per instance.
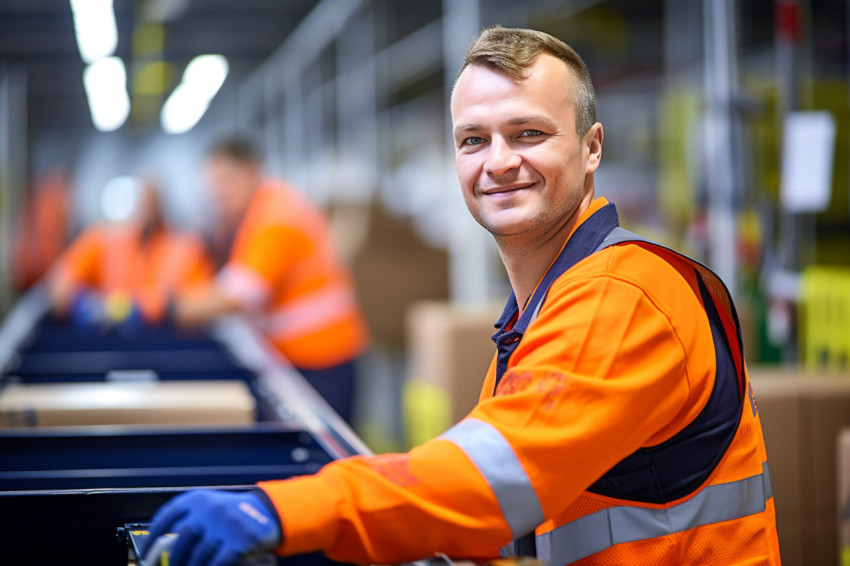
(88, 311)
(218, 528)
(128, 321)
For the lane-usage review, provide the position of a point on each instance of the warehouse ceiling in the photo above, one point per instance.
(160, 36)
(157, 39)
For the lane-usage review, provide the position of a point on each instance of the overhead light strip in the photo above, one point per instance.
(95, 28)
(105, 78)
(105, 81)
(189, 101)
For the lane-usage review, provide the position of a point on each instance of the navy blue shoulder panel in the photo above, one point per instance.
(678, 466)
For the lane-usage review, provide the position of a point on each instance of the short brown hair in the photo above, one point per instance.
(513, 51)
(237, 148)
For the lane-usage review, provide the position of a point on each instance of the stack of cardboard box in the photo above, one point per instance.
(843, 492)
(450, 348)
(802, 414)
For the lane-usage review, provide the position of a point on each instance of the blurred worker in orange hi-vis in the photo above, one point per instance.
(40, 234)
(284, 273)
(128, 270)
(616, 424)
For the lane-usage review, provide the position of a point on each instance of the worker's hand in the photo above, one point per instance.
(88, 311)
(218, 528)
(124, 314)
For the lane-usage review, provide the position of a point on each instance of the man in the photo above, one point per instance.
(615, 424)
(127, 270)
(282, 271)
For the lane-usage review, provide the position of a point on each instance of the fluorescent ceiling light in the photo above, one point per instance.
(95, 27)
(189, 101)
(106, 88)
(206, 73)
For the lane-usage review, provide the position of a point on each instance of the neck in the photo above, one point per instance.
(526, 259)
(149, 230)
(244, 206)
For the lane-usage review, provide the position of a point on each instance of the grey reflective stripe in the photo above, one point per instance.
(712, 281)
(498, 463)
(598, 531)
(619, 235)
(768, 487)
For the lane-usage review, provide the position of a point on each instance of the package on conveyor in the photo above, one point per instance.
(195, 402)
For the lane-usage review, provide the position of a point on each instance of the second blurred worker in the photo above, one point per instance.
(128, 269)
(283, 272)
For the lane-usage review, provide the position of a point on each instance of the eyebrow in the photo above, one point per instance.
(518, 121)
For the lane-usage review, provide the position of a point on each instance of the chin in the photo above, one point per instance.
(505, 222)
(506, 229)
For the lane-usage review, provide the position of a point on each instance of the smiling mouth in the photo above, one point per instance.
(506, 189)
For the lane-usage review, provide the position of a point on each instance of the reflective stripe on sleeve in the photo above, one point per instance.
(601, 530)
(244, 285)
(497, 462)
(311, 312)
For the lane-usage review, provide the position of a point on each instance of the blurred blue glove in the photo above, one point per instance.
(218, 528)
(128, 321)
(88, 311)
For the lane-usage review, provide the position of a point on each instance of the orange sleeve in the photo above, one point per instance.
(200, 270)
(391, 508)
(260, 260)
(178, 266)
(80, 265)
(81, 261)
(601, 372)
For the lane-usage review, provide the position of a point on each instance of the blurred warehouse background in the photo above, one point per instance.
(727, 135)
(348, 100)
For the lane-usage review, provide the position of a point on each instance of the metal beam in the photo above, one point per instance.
(723, 166)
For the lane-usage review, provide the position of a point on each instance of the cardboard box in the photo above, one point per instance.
(393, 270)
(843, 492)
(128, 403)
(802, 414)
(450, 347)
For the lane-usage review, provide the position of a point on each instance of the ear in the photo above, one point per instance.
(593, 144)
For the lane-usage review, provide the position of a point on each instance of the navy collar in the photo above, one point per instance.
(586, 238)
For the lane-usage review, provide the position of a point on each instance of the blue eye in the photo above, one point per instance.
(531, 133)
(473, 141)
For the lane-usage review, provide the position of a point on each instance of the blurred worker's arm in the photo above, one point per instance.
(581, 393)
(196, 299)
(245, 284)
(202, 304)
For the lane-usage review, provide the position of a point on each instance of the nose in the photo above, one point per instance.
(501, 158)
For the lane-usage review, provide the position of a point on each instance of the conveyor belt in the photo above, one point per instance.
(66, 492)
(119, 457)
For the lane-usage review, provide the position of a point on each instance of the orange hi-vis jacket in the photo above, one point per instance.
(616, 426)
(283, 267)
(113, 258)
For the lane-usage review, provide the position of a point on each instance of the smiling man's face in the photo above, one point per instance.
(522, 167)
